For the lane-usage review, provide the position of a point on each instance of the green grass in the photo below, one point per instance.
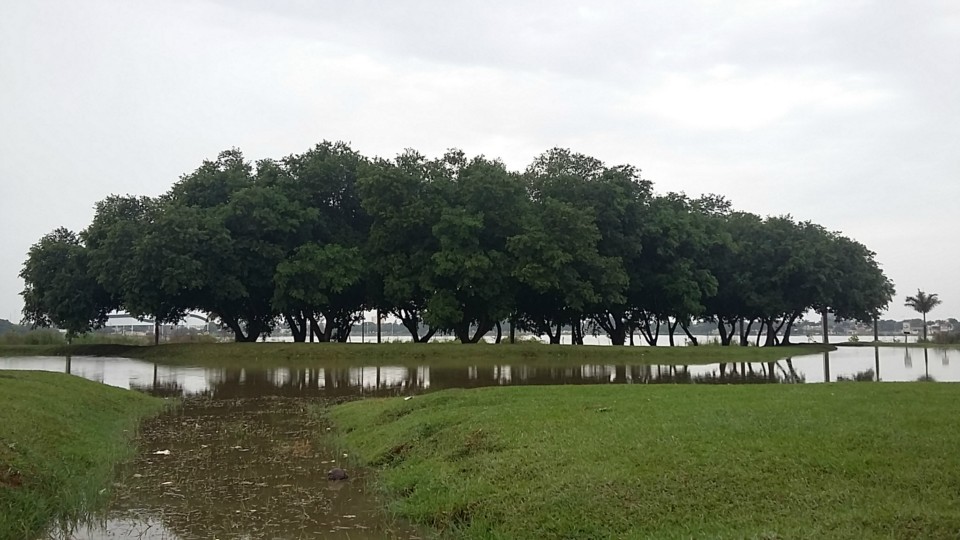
(294, 355)
(887, 344)
(60, 438)
(804, 461)
(53, 338)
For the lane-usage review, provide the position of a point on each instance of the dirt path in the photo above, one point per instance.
(245, 468)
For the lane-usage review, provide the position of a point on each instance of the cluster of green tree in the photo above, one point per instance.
(456, 245)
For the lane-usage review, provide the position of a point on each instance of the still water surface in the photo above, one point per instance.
(887, 364)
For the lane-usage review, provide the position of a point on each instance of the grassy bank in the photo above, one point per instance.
(912, 344)
(843, 460)
(265, 355)
(60, 438)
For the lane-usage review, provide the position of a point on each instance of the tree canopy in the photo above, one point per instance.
(456, 244)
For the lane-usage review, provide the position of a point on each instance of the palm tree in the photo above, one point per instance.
(923, 303)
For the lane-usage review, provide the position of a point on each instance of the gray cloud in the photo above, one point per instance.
(843, 113)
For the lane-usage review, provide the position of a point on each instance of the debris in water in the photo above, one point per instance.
(337, 474)
(162, 453)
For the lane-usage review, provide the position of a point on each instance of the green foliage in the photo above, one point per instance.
(454, 244)
(684, 461)
(946, 338)
(61, 289)
(923, 303)
(39, 336)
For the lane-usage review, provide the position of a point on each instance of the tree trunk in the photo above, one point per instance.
(671, 328)
(426, 337)
(722, 328)
(499, 332)
(298, 327)
(327, 330)
(156, 332)
(686, 330)
(379, 330)
(789, 329)
(513, 330)
(618, 335)
(576, 332)
(771, 334)
(234, 325)
(482, 329)
(554, 337)
(316, 332)
(826, 337)
(745, 333)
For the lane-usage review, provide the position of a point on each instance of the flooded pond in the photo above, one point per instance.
(238, 468)
(885, 363)
(244, 458)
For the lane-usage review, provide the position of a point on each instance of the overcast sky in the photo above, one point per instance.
(844, 113)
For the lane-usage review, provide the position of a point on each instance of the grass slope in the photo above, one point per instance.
(842, 460)
(60, 438)
(293, 355)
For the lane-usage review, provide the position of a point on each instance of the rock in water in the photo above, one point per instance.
(337, 474)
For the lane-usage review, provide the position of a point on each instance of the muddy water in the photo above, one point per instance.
(883, 364)
(239, 468)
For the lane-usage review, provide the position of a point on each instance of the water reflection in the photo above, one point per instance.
(876, 361)
(826, 367)
(895, 364)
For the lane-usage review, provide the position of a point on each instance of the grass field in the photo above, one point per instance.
(847, 460)
(911, 344)
(293, 355)
(60, 438)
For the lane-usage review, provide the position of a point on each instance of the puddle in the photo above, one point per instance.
(242, 468)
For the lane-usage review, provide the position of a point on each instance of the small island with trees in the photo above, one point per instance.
(457, 245)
